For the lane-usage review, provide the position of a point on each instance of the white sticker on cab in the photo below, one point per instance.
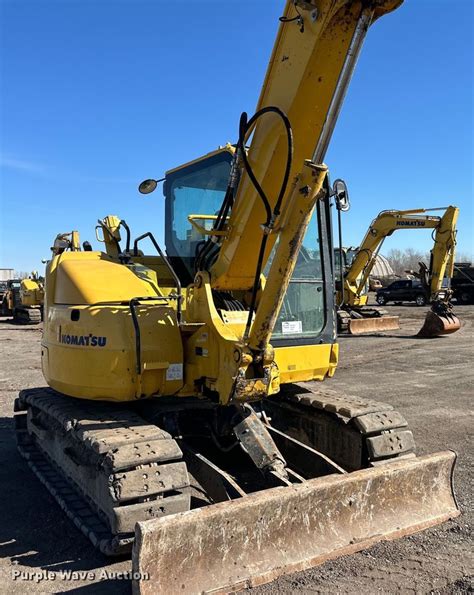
(174, 372)
(292, 326)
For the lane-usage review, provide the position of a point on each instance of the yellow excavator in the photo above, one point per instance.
(181, 414)
(23, 299)
(353, 313)
(32, 295)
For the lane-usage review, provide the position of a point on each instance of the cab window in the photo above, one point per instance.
(303, 311)
(196, 189)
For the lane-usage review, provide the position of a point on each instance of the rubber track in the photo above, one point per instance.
(382, 432)
(27, 315)
(138, 469)
(73, 504)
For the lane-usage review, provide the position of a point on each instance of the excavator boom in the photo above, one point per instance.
(309, 71)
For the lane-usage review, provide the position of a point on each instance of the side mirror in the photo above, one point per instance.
(341, 195)
(147, 186)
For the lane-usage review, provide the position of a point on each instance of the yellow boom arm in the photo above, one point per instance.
(309, 71)
(225, 351)
(310, 68)
(442, 254)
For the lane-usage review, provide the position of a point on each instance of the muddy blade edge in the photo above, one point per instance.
(359, 326)
(246, 542)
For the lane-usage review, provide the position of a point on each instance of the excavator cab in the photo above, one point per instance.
(194, 193)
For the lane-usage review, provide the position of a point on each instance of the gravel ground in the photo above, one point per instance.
(429, 381)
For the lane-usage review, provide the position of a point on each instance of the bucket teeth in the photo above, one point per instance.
(436, 325)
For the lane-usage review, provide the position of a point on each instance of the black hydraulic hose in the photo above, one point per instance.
(224, 210)
(299, 19)
(168, 266)
(202, 254)
(256, 283)
(138, 349)
(133, 303)
(245, 127)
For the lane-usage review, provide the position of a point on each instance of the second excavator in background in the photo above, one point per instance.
(23, 300)
(356, 316)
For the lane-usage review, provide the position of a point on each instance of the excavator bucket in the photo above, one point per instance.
(252, 540)
(436, 325)
(359, 326)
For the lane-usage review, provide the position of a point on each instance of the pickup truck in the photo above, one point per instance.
(462, 283)
(403, 290)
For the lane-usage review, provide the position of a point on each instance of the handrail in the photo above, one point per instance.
(168, 265)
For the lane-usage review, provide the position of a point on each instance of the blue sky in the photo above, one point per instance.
(99, 94)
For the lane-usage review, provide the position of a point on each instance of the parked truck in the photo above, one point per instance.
(462, 283)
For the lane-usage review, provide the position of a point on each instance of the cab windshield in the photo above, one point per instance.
(199, 190)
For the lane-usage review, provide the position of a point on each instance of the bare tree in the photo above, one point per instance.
(404, 260)
(409, 259)
(464, 257)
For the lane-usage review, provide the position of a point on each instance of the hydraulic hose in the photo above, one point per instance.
(204, 256)
(245, 128)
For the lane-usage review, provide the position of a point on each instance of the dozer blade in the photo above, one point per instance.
(359, 326)
(253, 540)
(436, 325)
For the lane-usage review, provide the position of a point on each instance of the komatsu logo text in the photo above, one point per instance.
(83, 340)
(411, 223)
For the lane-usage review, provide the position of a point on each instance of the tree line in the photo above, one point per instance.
(408, 259)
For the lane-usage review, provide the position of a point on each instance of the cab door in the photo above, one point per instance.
(393, 290)
(404, 293)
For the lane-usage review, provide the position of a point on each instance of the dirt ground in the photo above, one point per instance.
(429, 381)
